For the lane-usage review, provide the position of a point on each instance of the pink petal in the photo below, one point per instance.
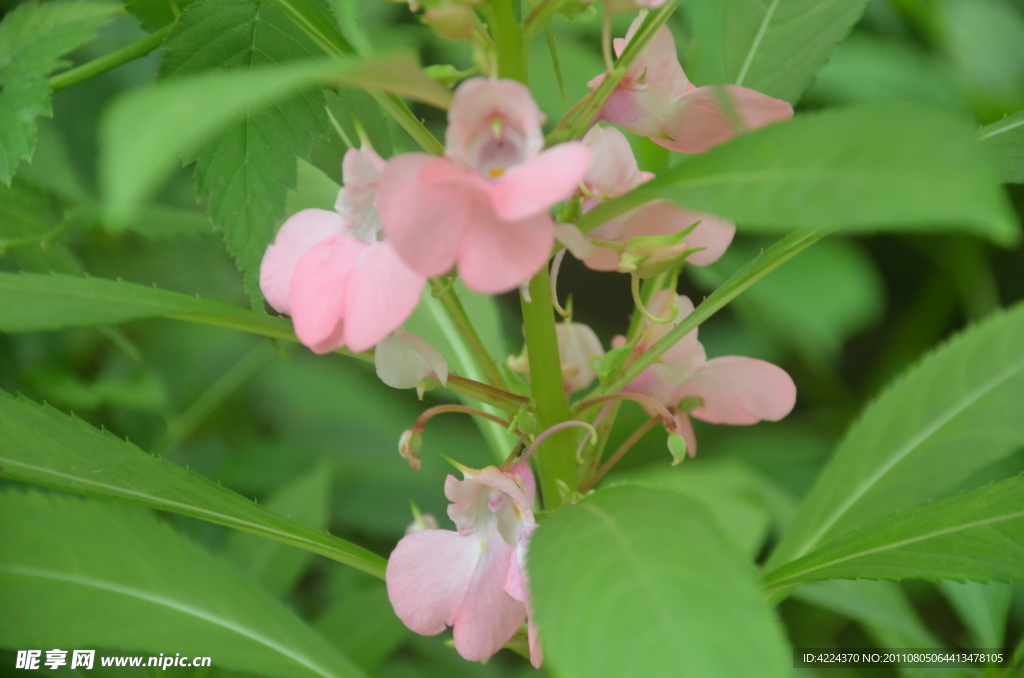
(477, 102)
(497, 256)
(578, 346)
(613, 168)
(382, 293)
(714, 234)
(574, 240)
(738, 390)
(318, 289)
(532, 187)
(428, 575)
(360, 169)
(487, 616)
(302, 230)
(404, 359)
(702, 119)
(422, 221)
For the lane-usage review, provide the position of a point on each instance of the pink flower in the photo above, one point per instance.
(735, 390)
(578, 347)
(329, 272)
(656, 100)
(438, 578)
(615, 172)
(485, 206)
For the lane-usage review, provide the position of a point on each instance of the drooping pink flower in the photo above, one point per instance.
(578, 347)
(405, 360)
(615, 172)
(439, 578)
(329, 271)
(735, 390)
(655, 99)
(484, 206)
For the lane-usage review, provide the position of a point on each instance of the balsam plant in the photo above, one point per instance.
(456, 188)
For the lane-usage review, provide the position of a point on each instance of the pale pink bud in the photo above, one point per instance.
(406, 360)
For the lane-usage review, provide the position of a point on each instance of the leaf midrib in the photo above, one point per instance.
(902, 452)
(894, 545)
(756, 44)
(642, 576)
(163, 601)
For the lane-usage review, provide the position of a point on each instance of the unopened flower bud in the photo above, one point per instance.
(421, 521)
(676, 447)
(409, 446)
(446, 74)
(452, 20)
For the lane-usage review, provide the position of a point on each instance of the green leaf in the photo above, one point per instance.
(155, 14)
(345, 107)
(977, 536)
(35, 302)
(1006, 139)
(43, 446)
(67, 582)
(628, 583)
(33, 37)
(30, 224)
(772, 46)
(362, 623)
(740, 501)
(954, 413)
(871, 168)
(983, 608)
(814, 304)
(275, 566)
(880, 606)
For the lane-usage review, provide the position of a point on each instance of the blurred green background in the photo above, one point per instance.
(315, 437)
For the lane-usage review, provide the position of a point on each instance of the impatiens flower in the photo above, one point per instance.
(439, 578)
(406, 360)
(728, 390)
(485, 206)
(329, 271)
(614, 172)
(578, 347)
(655, 99)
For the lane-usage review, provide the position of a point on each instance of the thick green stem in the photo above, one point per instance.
(110, 61)
(508, 38)
(556, 459)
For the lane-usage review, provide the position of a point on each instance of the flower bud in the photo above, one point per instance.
(676, 447)
(452, 20)
(409, 446)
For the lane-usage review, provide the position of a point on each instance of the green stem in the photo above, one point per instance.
(180, 427)
(764, 264)
(556, 460)
(581, 116)
(109, 61)
(481, 357)
(619, 453)
(508, 38)
(398, 110)
(538, 17)
(503, 400)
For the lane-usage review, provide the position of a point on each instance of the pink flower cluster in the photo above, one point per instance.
(352, 276)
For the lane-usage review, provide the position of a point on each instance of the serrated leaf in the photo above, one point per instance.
(66, 581)
(43, 446)
(155, 14)
(33, 37)
(273, 565)
(628, 581)
(955, 412)
(344, 108)
(871, 168)
(773, 46)
(1006, 139)
(977, 536)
